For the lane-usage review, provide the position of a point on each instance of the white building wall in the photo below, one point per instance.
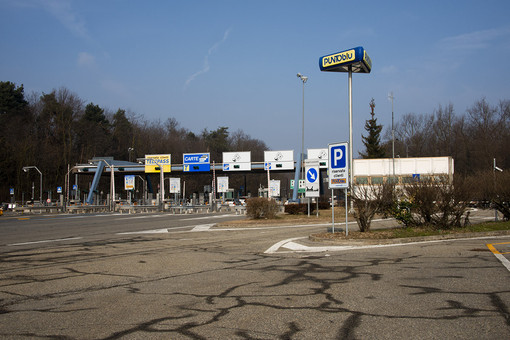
(403, 166)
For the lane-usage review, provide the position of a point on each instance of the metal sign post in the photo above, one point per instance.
(339, 174)
(354, 60)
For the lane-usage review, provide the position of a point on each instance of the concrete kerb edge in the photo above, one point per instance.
(360, 242)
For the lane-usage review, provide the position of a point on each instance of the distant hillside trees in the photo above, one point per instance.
(58, 129)
(473, 139)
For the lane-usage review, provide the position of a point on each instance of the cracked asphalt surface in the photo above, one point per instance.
(221, 285)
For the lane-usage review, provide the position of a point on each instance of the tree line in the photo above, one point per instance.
(58, 129)
(474, 139)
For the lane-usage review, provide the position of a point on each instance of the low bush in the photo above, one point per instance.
(259, 207)
(297, 209)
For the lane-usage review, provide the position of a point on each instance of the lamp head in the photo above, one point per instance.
(302, 77)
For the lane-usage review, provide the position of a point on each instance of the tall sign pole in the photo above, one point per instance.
(350, 125)
(354, 60)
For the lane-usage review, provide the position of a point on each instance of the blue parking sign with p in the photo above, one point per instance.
(338, 171)
(337, 157)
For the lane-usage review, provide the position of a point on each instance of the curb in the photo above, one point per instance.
(352, 242)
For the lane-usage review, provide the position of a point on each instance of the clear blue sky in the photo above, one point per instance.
(234, 63)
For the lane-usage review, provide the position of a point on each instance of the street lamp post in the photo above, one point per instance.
(303, 79)
(143, 189)
(390, 96)
(26, 168)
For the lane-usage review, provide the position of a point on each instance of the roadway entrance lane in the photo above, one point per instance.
(40, 230)
(220, 284)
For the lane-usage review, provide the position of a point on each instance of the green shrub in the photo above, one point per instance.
(259, 207)
(401, 210)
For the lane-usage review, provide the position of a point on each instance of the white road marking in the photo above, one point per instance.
(206, 217)
(503, 260)
(45, 241)
(202, 227)
(295, 247)
(276, 246)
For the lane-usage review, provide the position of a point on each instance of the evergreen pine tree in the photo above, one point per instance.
(373, 140)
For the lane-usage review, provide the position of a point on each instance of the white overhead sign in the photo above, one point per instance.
(237, 161)
(338, 165)
(279, 160)
(321, 155)
(312, 184)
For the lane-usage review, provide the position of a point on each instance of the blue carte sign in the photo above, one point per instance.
(355, 59)
(193, 162)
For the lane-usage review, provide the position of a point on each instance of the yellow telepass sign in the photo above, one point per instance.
(338, 58)
(156, 161)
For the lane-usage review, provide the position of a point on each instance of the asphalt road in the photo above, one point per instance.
(169, 277)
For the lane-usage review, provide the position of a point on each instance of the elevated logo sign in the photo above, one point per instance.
(338, 166)
(356, 59)
(154, 162)
(194, 162)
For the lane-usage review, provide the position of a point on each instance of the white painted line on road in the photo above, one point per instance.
(143, 216)
(294, 247)
(202, 227)
(276, 246)
(299, 247)
(45, 241)
(206, 217)
(503, 260)
(499, 255)
(155, 231)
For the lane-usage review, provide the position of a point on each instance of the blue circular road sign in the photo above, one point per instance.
(311, 175)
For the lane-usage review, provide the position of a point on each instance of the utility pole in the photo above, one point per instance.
(391, 97)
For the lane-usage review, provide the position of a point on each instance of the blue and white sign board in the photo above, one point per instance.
(279, 160)
(274, 188)
(237, 161)
(175, 185)
(194, 162)
(59, 190)
(75, 187)
(338, 165)
(11, 190)
(129, 182)
(320, 155)
(222, 184)
(312, 178)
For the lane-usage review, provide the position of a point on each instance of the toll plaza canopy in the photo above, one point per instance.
(355, 60)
